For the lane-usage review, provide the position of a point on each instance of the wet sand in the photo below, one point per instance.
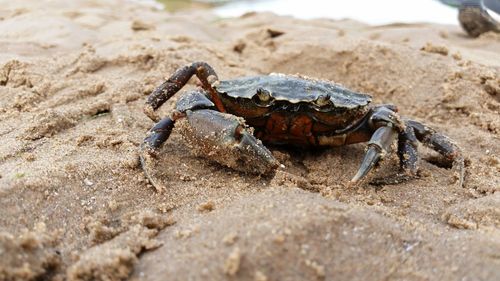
(74, 76)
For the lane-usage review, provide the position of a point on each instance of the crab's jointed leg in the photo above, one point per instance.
(441, 144)
(159, 133)
(155, 138)
(181, 76)
(378, 146)
(407, 151)
(388, 126)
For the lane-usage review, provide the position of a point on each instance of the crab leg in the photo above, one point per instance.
(408, 158)
(441, 144)
(407, 151)
(159, 133)
(181, 76)
(156, 137)
(387, 124)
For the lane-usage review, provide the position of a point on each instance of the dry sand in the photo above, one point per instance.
(74, 204)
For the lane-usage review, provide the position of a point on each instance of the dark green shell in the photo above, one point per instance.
(293, 89)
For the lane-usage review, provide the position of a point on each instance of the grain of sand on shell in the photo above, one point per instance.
(74, 204)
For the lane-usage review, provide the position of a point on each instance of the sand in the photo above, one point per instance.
(74, 203)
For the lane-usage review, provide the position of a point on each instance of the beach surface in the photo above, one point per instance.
(75, 205)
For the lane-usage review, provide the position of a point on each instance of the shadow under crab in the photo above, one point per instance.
(228, 121)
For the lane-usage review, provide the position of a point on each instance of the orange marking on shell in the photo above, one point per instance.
(289, 129)
(277, 124)
(301, 126)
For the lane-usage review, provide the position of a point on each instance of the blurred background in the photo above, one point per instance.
(368, 11)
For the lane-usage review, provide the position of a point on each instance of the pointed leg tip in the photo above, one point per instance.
(354, 180)
(146, 158)
(372, 157)
(147, 150)
(459, 166)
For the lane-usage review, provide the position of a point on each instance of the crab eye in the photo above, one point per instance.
(262, 97)
(323, 101)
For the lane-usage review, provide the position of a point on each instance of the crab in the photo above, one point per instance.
(230, 120)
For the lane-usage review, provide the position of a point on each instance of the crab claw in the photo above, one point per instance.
(372, 157)
(226, 139)
(378, 146)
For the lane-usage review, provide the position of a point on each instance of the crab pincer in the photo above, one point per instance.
(378, 146)
(221, 137)
(226, 139)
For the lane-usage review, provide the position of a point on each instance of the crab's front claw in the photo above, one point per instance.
(253, 152)
(226, 139)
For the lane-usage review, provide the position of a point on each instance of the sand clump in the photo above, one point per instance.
(480, 213)
(116, 249)
(232, 263)
(30, 256)
(115, 259)
(430, 48)
(73, 84)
